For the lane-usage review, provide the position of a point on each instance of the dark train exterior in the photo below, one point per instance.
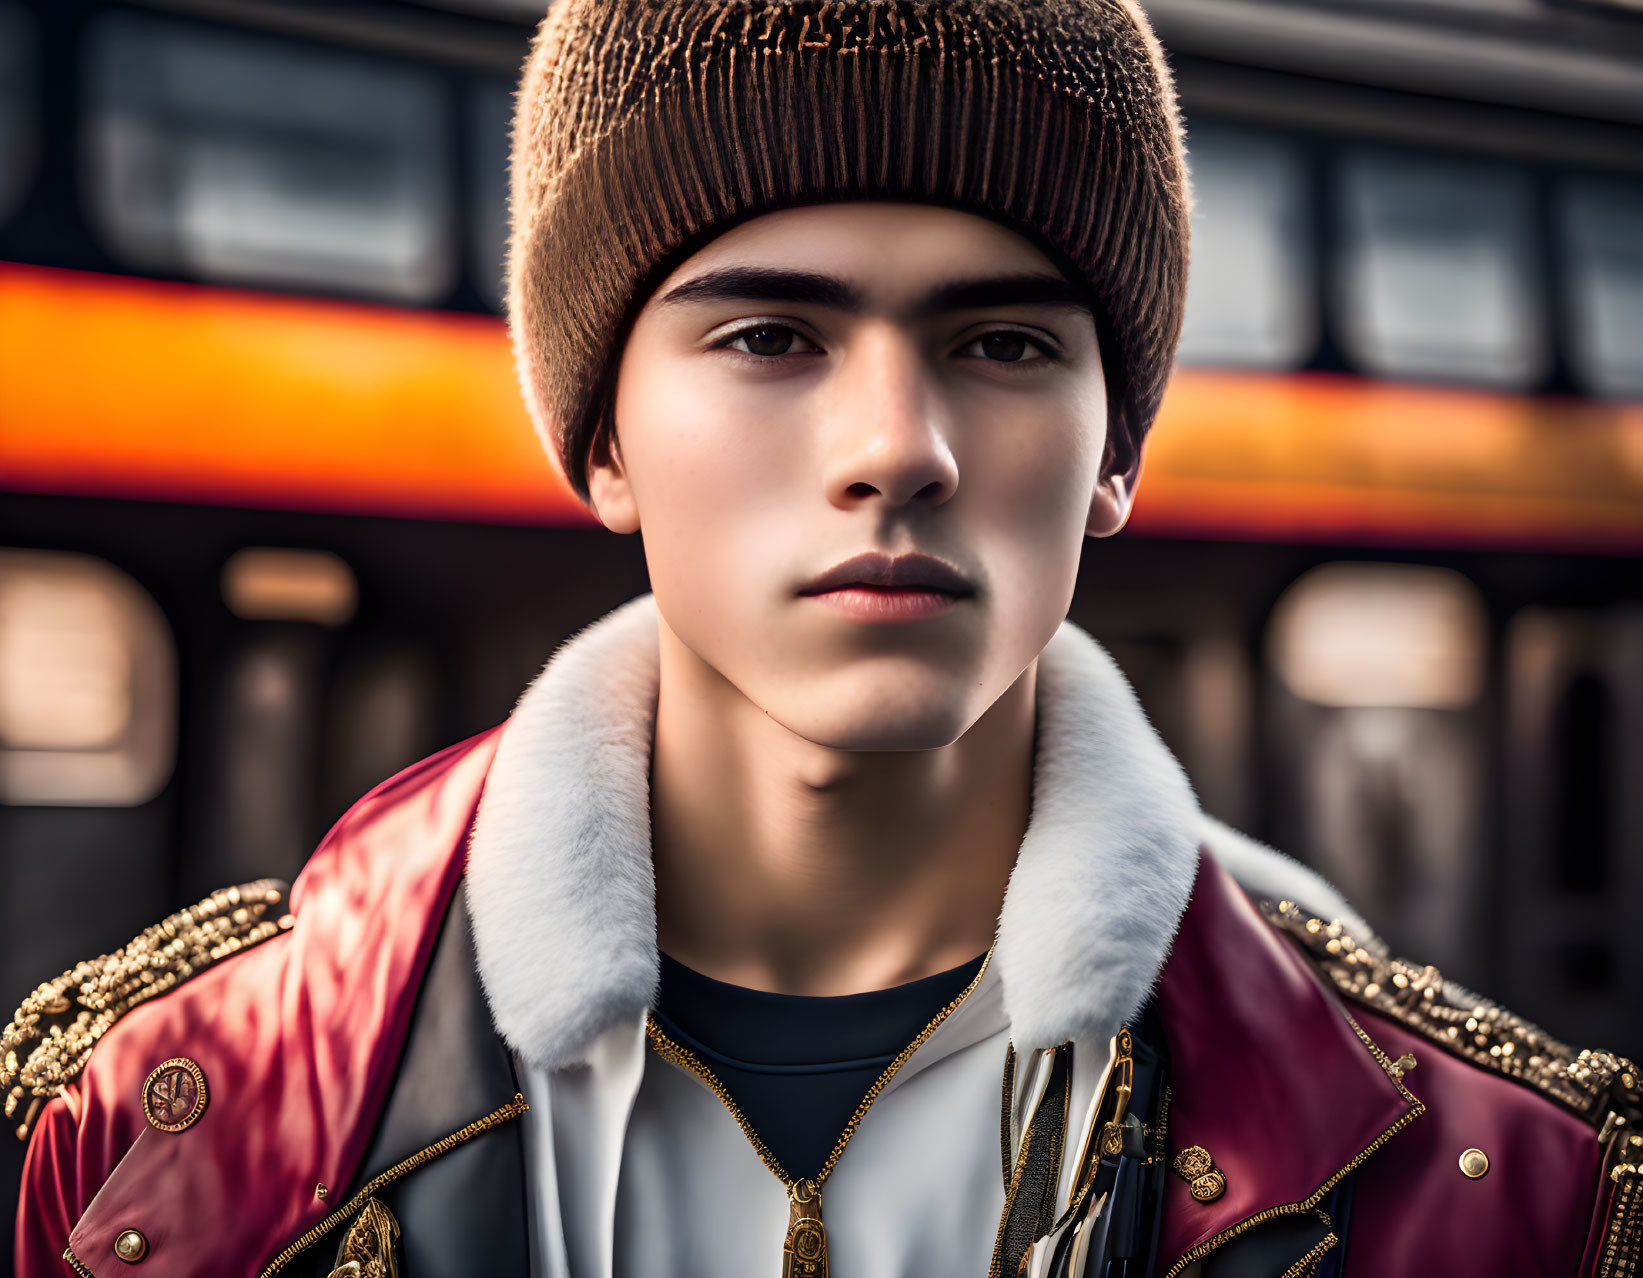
(273, 523)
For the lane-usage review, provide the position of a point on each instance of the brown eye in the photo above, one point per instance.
(768, 340)
(1009, 347)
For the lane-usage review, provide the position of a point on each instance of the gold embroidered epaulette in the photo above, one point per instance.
(1599, 1086)
(51, 1037)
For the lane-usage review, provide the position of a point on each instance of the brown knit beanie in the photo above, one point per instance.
(644, 128)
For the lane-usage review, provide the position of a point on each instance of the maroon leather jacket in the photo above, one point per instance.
(1296, 1058)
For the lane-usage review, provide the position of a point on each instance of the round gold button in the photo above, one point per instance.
(131, 1246)
(174, 1095)
(1474, 1163)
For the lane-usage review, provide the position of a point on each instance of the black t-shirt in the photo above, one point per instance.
(797, 1066)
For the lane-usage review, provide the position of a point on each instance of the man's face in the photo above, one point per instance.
(833, 380)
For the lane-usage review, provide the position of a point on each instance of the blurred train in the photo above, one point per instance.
(273, 522)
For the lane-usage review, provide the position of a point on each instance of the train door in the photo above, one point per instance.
(1573, 882)
(1377, 730)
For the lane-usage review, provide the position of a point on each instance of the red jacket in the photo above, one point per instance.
(1284, 1048)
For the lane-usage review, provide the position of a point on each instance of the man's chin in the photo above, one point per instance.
(887, 720)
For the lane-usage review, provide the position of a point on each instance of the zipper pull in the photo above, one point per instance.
(804, 1254)
(367, 1249)
(1104, 1140)
(1123, 1084)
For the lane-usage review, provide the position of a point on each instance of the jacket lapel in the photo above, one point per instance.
(464, 1211)
(1270, 1076)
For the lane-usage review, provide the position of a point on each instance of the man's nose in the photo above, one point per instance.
(889, 426)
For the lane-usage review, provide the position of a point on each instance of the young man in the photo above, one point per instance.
(835, 908)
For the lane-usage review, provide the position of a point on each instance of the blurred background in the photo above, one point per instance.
(273, 522)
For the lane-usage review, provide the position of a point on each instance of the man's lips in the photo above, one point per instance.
(880, 572)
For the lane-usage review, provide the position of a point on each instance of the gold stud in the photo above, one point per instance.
(1474, 1164)
(130, 1246)
(322, 1190)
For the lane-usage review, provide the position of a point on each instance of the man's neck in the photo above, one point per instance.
(787, 866)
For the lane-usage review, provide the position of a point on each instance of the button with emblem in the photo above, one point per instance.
(174, 1095)
(1474, 1163)
(1204, 1179)
(130, 1246)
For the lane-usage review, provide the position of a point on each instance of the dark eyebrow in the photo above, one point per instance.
(766, 284)
(770, 284)
(1004, 290)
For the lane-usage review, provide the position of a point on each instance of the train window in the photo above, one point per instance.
(1437, 274)
(490, 112)
(1392, 635)
(238, 158)
(1250, 294)
(17, 114)
(88, 712)
(1601, 225)
(265, 583)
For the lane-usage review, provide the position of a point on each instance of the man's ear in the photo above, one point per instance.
(609, 491)
(1115, 493)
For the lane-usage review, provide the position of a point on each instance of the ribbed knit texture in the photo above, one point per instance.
(646, 127)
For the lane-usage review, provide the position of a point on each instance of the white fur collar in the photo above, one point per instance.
(562, 895)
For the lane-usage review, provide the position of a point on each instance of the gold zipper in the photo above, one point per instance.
(73, 1263)
(1272, 1213)
(1012, 1172)
(681, 1056)
(805, 1250)
(1006, 1105)
(996, 1267)
(496, 1118)
(1307, 1263)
